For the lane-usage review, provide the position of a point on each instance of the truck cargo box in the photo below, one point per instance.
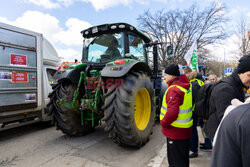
(23, 54)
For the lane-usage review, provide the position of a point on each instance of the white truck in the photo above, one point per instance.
(27, 64)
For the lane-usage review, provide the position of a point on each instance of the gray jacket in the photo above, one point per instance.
(232, 144)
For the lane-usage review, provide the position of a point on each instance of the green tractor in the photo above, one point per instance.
(114, 84)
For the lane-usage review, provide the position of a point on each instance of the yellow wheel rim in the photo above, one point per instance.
(142, 109)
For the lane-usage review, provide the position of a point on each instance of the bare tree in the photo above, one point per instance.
(243, 33)
(215, 67)
(182, 28)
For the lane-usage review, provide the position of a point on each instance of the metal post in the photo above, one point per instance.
(224, 64)
(155, 57)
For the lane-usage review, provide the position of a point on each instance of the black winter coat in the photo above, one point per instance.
(195, 88)
(220, 99)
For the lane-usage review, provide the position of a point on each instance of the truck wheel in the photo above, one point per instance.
(66, 119)
(129, 110)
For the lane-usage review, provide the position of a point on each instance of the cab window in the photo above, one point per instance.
(136, 48)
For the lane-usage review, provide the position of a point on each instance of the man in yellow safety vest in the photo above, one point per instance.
(176, 116)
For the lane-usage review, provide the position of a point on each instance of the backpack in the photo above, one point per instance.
(202, 100)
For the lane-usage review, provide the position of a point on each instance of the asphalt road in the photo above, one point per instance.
(36, 145)
(40, 146)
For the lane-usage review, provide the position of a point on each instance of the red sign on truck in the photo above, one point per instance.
(18, 60)
(19, 77)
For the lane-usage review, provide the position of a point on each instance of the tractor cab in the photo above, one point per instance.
(109, 42)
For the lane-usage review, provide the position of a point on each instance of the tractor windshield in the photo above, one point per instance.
(104, 48)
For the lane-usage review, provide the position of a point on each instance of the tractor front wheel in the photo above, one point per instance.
(66, 119)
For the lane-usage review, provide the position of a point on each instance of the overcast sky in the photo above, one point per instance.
(61, 21)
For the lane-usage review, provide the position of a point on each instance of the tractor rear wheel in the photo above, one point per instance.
(66, 119)
(129, 110)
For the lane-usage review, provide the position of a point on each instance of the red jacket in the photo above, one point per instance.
(174, 99)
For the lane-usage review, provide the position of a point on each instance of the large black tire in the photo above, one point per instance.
(67, 120)
(129, 110)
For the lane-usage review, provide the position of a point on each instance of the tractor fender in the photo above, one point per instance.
(72, 74)
(121, 70)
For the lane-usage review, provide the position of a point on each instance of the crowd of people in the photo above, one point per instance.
(228, 131)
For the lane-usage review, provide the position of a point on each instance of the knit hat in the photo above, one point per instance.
(173, 69)
(244, 64)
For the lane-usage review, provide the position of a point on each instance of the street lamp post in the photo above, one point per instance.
(224, 63)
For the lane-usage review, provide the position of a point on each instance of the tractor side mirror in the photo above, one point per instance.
(169, 50)
(170, 55)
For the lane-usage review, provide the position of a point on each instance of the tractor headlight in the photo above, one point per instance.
(113, 27)
(86, 32)
(121, 26)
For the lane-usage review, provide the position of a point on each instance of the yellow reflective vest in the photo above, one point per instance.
(184, 119)
(201, 83)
